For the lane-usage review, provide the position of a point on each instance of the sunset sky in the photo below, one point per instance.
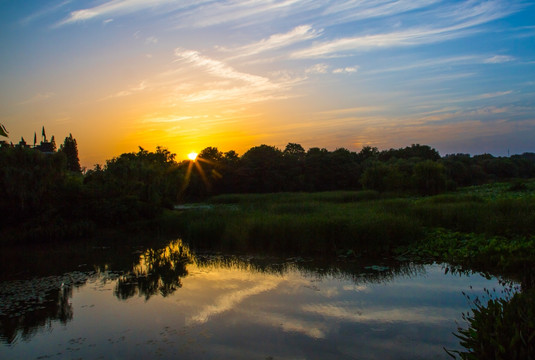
(456, 75)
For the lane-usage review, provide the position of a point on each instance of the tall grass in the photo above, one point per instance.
(504, 217)
(314, 223)
(363, 221)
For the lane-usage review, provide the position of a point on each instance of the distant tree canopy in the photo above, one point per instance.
(414, 169)
(134, 185)
(46, 193)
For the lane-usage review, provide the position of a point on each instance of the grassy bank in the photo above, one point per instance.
(301, 223)
(357, 222)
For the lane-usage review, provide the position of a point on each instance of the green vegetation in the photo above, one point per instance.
(488, 228)
(413, 170)
(299, 222)
(400, 201)
(502, 329)
(46, 198)
(367, 221)
(313, 201)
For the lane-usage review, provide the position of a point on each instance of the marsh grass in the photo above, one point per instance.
(362, 221)
(504, 217)
(312, 223)
(323, 197)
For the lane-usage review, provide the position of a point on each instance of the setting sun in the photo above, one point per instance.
(192, 156)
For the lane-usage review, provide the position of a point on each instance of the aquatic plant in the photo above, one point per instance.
(503, 328)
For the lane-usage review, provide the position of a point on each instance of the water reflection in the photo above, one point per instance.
(216, 306)
(28, 306)
(158, 271)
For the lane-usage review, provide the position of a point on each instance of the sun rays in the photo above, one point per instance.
(194, 162)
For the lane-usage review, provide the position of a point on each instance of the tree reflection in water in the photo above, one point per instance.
(158, 271)
(56, 306)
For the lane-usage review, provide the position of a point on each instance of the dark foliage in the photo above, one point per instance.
(416, 169)
(43, 199)
(133, 186)
(503, 328)
(70, 149)
(46, 194)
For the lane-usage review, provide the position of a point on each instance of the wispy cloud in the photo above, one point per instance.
(242, 87)
(498, 59)
(352, 10)
(151, 40)
(216, 13)
(313, 328)
(346, 70)
(216, 67)
(440, 62)
(276, 41)
(121, 7)
(134, 89)
(353, 110)
(450, 23)
(44, 12)
(394, 39)
(229, 301)
(37, 98)
(420, 314)
(317, 69)
(168, 119)
(493, 95)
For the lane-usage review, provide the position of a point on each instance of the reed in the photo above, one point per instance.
(362, 221)
(315, 223)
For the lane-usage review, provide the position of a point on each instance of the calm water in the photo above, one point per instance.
(166, 303)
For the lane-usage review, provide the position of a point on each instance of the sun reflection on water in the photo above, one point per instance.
(241, 301)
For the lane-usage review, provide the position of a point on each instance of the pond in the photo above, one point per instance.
(167, 302)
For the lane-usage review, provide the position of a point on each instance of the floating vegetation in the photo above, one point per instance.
(20, 296)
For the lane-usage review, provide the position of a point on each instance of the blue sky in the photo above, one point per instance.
(456, 75)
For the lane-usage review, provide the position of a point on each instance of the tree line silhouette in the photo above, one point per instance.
(46, 196)
(417, 169)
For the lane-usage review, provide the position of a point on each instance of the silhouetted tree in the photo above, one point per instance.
(429, 177)
(316, 169)
(32, 186)
(294, 151)
(367, 153)
(344, 170)
(53, 145)
(70, 149)
(262, 170)
(525, 163)
(134, 185)
(211, 154)
(375, 177)
(458, 168)
(205, 174)
(294, 161)
(231, 163)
